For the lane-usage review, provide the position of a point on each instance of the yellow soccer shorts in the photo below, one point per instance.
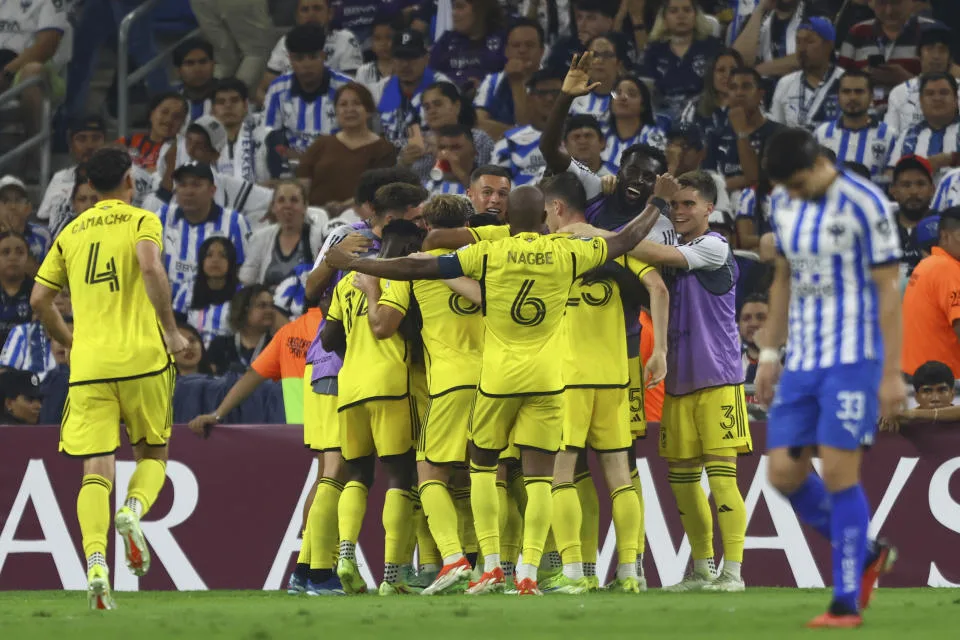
(321, 426)
(638, 417)
(443, 436)
(705, 420)
(597, 417)
(419, 392)
(385, 427)
(534, 421)
(93, 412)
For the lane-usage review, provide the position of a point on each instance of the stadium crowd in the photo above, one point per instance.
(263, 156)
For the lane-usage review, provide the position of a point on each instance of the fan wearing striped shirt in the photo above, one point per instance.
(29, 347)
(206, 304)
(937, 137)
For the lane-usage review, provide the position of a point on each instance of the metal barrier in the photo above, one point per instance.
(125, 79)
(40, 138)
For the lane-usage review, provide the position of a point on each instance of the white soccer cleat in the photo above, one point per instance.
(98, 589)
(693, 581)
(137, 552)
(727, 583)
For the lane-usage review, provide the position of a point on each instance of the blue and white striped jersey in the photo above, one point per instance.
(28, 348)
(291, 293)
(921, 140)
(195, 108)
(948, 191)
(496, 97)
(747, 209)
(445, 187)
(398, 111)
(519, 153)
(303, 117)
(182, 240)
(651, 135)
(832, 244)
(870, 146)
(593, 104)
(211, 321)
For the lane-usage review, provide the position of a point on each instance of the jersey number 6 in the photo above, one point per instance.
(538, 309)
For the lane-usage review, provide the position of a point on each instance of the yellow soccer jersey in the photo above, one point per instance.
(116, 333)
(490, 232)
(372, 368)
(595, 330)
(452, 330)
(526, 280)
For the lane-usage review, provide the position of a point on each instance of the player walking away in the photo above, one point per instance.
(120, 364)
(452, 334)
(376, 416)
(525, 282)
(596, 396)
(835, 303)
(704, 411)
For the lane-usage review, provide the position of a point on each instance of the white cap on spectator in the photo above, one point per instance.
(214, 130)
(12, 181)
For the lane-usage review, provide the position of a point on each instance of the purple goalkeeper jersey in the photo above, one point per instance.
(703, 341)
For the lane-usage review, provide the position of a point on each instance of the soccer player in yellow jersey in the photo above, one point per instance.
(452, 334)
(377, 416)
(525, 281)
(121, 369)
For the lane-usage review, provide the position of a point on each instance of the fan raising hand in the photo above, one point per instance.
(577, 81)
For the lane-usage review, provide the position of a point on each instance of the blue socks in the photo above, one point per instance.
(849, 520)
(812, 503)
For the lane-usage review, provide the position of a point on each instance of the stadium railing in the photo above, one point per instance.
(125, 79)
(40, 139)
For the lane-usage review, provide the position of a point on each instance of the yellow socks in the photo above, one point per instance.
(441, 516)
(303, 557)
(466, 530)
(350, 511)
(427, 551)
(590, 523)
(93, 512)
(731, 513)
(397, 526)
(537, 518)
(694, 510)
(145, 484)
(511, 527)
(486, 509)
(642, 538)
(626, 521)
(322, 523)
(566, 522)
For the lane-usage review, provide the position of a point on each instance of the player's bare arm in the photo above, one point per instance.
(893, 391)
(319, 278)
(333, 337)
(41, 299)
(446, 238)
(576, 83)
(384, 320)
(420, 267)
(466, 287)
(158, 291)
(655, 368)
(660, 255)
(773, 335)
(768, 247)
(238, 393)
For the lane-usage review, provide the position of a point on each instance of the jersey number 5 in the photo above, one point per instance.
(93, 275)
(538, 309)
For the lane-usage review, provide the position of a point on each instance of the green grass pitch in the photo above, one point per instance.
(776, 614)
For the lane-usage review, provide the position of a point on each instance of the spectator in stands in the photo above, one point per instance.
(384, 30)
(685, 151)
(680, 50)
(15, 210)
(443, 105)
(934, 390)
(15, 282)
(593, 18)
(193, 60)
(489, 191)
(708, 111)
(931, 317)
(301, 103)
(584, 140)
(332, 165)
(55, 383)
(912, 188)
(241, 32)
(456, 160)
(474, 47)
(251, 321)
(399, 97)
(903, 107)
(21, 397)
(753, 214)
(193, 359)
(856, 136)
(519, 150)
(28, 346)
(193, 218)
(608, 55)
(769, 38)
(631, 122)
(82, 198)
(753, 315)
(276, 250)
(808, 97)
(886, 47)
(734, 150)
(925, 234)
(341, 48)
(84, 135)
(168, 113)
(241, 156)
(501, 100)
(937, 136)
(205, 303)
(851, 13)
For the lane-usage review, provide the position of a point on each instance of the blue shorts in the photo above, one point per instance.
(836, 407)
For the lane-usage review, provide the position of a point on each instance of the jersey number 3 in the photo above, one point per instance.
(93, 275)
(537, 308)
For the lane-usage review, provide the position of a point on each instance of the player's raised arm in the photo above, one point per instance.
(638, 228)
(576, 83)
(158, 291)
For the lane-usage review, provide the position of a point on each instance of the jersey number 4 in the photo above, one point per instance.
(93, 275)
(527, 310)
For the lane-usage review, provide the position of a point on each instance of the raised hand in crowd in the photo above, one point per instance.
(577, 81)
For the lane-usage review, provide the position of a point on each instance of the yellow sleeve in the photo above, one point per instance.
(150, 228)
(53, 271)
(471, 259)
(637, 267)
(335, 312)
(395, 294)
(491, 232)
(589, 252)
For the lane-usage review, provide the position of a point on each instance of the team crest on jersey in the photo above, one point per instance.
(23, 309)
(699, 65)
(879, 150)
(883, 227)
(837, 230)
(493, 43)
